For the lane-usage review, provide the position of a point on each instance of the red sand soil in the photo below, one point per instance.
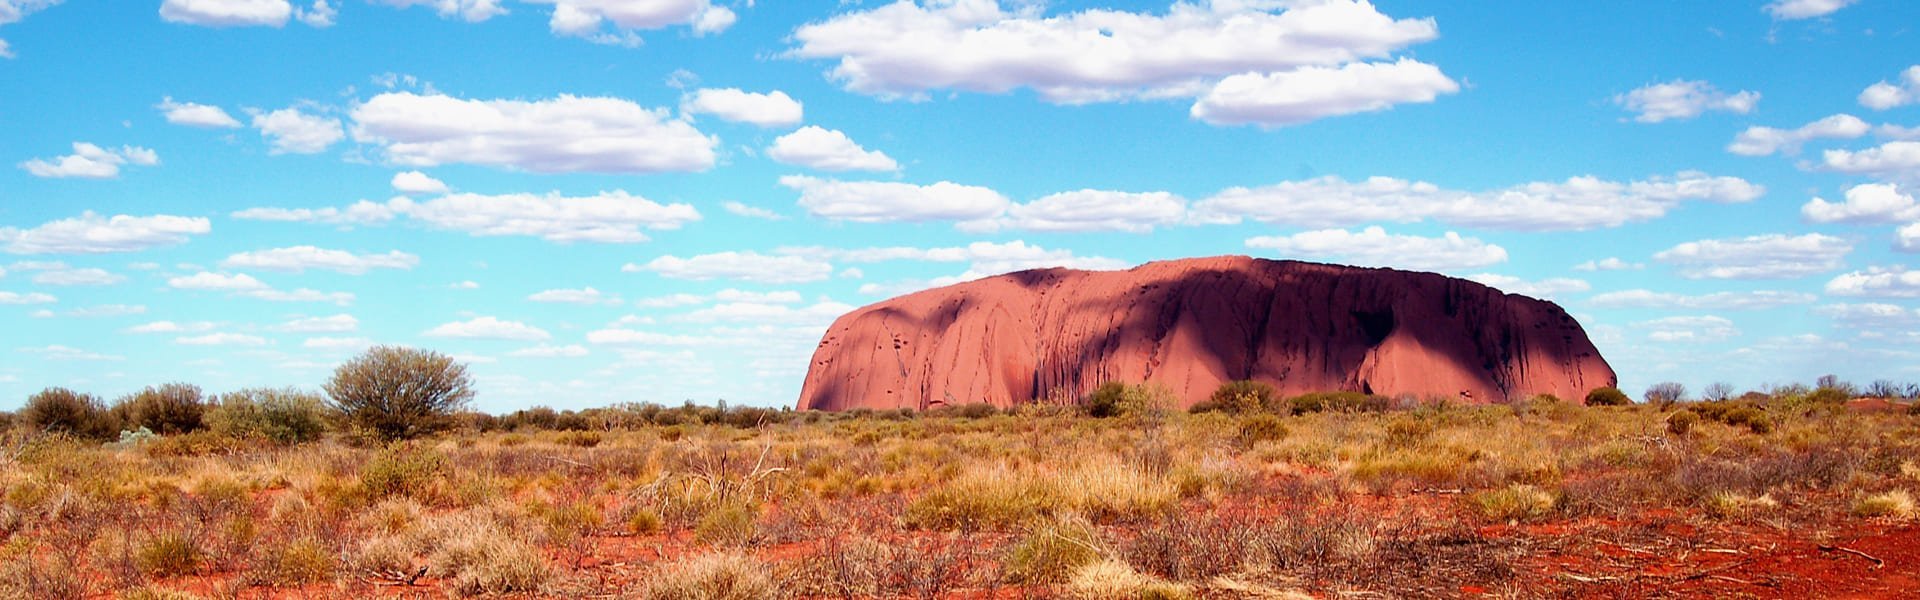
(1193, 324)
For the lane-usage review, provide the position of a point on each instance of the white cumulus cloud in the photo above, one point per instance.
(1706, 328)
(1579, 203)
(471, 11)
(1097, 210)
(885, 201)
(221, 339)
(1793, 10)
(1762, 141)
(1611, 263)
(1885, 95)
(415, 182)
(91, 233)
(227, 13)
(339, 323)
(584, 296)
(827, 150)
(742, 266)
(1877, 282)
(1865, 203)
(560, 135)
(1545, 288)
(1744, 300)
(489, 328)
(1774, 256)
(614, 217)
(772, 109)
(546, 351)
(1313, 93)
(298, 259)
(1893, 159)
(292, 131)
(91, 162)
(196, 115)
(1683, 99)
(1375, 247)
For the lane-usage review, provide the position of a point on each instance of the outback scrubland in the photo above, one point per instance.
(1790, 492)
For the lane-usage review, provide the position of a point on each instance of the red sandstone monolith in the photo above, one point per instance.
(1193, 324)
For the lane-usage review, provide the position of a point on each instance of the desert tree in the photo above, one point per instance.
(166, 409)
(1665, 393)
(61, 410)
(1883, 388)
(395, 392)
(1717, 391)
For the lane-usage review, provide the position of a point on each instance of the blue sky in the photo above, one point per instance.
(597, 201)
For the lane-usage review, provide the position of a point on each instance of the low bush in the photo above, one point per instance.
(169, 409)
(1517, 502)
(1608, 396)
(284, 416)
(402, 470)
(1347, 402)
(61, 410)
(1896, 504)
(1680, 423)
(1260, 428)
(169, 554)
(1243, 396)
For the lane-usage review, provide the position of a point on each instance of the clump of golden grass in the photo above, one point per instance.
(716, 576)
(1516, 502)
(1108, 579)
(1896, 504)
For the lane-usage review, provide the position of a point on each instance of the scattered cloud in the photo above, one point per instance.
(59, 352)
(1609, 264)
(1548, 288)
(1877, 282)
(1774, 256)
(489, 328)
(292, 131)
(1871, 316)
(92, 234)
(1579, 203)
(1097, 210)
(751, 212)
(567, 134)
(1373, 246)
(1865, 203)
(584, 297)
(1313, 93)
(227, 13)
(1892, 159)
(1743, 300)
(827, 150)
(1230, 54)
(171, 327)
(196, 115)
(298, 259)
(1885, 95)
(742, 266)
(336, 343)
(89, 161)
(18, 298)
(415, 182)
(221, 339)
(471, 11)
(359, 213)
(884, 201)
(77, 277)
(546, 351)
(1762, 141)
(340, 323)
(1793, 10)
(589, 19)
(1907, 238)
(1682, 99)
(773, 109)
(614, 217)
(1707, 328)
(242, 284)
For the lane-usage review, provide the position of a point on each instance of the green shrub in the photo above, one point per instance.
(285, 416)
(168, 409)
(1608, 396)
(1516, 502)
(727, 525)
(301, 561)
(1336, 402)
(1260, 428)
(402, 470)
(61, 410)
(394, 392)
(1680, 423)
(169, 555)
(1243, 396)
(1104, 401)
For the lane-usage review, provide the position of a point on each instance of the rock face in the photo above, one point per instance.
(1193, 324)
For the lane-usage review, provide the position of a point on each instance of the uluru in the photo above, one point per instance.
(1193, 324)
